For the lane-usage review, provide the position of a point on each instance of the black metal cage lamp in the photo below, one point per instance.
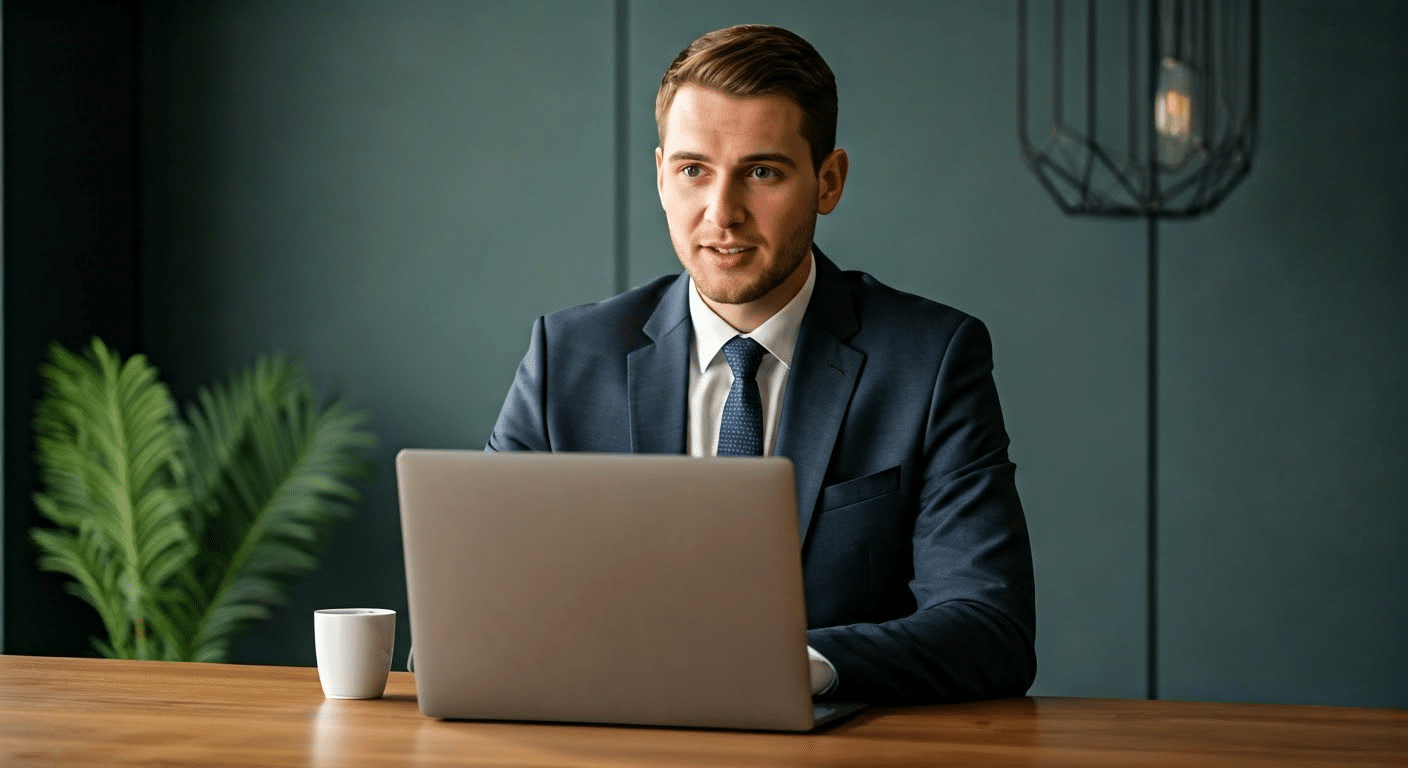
(1138, 108)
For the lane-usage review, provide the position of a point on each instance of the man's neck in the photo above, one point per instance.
(745, 318)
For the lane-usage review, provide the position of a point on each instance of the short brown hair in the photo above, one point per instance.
(757, 60)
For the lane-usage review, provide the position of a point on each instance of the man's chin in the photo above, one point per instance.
(738, 289)
(731, 295)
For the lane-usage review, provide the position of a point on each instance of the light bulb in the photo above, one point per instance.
(1174, 124)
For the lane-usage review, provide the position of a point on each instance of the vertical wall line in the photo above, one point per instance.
(1152, 457)
(1151, 471)
(138, 61)
(4, 405)
(621, 261)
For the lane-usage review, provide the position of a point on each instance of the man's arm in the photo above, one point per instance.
(972, 635)
(522, 424)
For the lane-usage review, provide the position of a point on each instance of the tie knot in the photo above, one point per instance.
(743, 356)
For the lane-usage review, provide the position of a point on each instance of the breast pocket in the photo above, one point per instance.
(854, 550)
(860, 489)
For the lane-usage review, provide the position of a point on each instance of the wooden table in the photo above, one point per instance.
(94, 712)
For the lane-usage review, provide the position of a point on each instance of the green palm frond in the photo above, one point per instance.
(180, 535)
(107, 441)
(277, 473)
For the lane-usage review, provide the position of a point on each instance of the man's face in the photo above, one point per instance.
(741, 198)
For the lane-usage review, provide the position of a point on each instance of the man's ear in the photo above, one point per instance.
(660, 175)
(831, 180)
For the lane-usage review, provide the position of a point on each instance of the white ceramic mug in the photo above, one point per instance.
(354, 650)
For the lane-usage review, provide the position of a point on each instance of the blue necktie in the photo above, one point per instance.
(741, 428)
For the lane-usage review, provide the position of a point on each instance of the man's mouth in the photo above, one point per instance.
(730, 251)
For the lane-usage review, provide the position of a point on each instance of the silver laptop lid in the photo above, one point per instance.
(628, 589)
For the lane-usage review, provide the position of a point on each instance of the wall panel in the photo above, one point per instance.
(390, 191)
(1284, 367)
(69, 256)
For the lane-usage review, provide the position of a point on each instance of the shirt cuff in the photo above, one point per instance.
(823, 673)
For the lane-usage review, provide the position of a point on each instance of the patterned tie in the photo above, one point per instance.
(741, 429)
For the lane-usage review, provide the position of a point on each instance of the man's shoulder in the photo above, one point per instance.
(880, 304)
(629, 310)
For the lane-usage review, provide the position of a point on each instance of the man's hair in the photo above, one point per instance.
(758, 60)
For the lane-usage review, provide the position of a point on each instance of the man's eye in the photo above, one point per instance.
(692, 171)
(764, 172)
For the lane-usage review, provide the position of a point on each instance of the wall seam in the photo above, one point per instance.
(1152, 460)
(621, 257)
(139, 342)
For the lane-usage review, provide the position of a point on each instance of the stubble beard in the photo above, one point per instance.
(793, 251)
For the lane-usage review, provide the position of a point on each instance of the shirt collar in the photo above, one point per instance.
(778, 334)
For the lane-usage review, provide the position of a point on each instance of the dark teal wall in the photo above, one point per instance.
(1285, 369)
(70, 253)
(393, 191)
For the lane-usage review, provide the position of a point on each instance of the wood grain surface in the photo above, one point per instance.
(99, 712)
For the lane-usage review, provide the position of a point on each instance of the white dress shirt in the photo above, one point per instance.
(710, 377)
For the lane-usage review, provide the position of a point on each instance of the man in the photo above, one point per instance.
(915, 553)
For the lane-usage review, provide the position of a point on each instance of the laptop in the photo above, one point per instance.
(607, 588)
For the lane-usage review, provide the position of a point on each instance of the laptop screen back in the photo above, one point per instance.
(628, 589)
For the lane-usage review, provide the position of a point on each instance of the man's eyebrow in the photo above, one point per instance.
(770, 157)
(761, 157)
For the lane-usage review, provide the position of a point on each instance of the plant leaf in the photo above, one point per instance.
(271, 474)
(179, 535)
(108, 445)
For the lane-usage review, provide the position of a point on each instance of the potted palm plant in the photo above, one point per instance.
(181, 532)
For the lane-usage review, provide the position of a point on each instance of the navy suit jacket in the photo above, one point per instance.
(916, 560)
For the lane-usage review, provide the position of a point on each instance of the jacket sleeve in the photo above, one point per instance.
(522, 423)
(972, 634)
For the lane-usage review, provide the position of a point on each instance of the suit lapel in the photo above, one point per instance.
(819, 387)
(657, 376)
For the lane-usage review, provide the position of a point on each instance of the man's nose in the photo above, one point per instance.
(725, 209)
